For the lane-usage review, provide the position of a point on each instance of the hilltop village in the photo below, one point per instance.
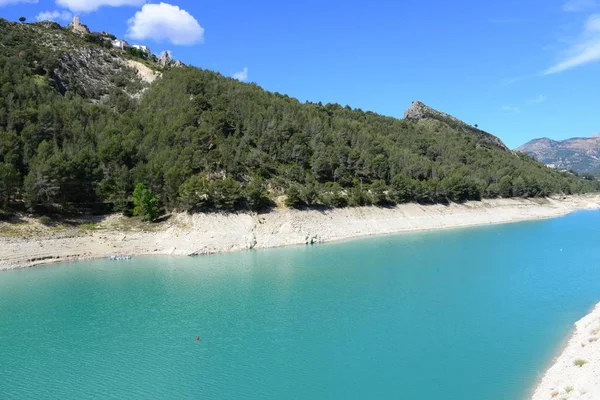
(77, 27)
(109, 40)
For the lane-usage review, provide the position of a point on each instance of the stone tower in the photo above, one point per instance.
(77, 27)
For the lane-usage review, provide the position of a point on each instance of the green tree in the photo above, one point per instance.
(226, 195)
(505, 186)
(122, 189)
(519, 187)
(402, 189)
(145, 203)
(357, 197)
(333, 196)
(293, 198)
(492, 191)
(41, 186)
(194, 193)
(309, 193)
(256, 194)
(10, 182)
(380, 193)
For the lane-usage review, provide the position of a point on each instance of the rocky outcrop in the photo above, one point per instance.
(166, 61)
(146, 74)
(94, 72)
(581, 155)
(420, 112)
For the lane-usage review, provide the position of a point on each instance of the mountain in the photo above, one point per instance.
(83, 124)
(578, 154)
(420, 112)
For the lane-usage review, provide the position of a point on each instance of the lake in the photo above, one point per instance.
(460, 314)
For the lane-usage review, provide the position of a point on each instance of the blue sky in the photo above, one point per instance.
(520, 69)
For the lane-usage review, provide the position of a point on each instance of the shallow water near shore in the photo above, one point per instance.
(462, 314)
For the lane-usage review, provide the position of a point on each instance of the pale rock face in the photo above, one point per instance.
(418, 111)
(94, 72)
(145, 73)
(165, 59)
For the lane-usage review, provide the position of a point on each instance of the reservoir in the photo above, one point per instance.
(475, 313)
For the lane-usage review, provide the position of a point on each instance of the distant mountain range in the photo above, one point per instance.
(578, 154)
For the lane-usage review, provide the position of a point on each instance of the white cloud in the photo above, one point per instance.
(578, 5)
(54, 15)
(584, 50)
(85, 6)
(242, 75)
(540, 99)
(7, 2)
(593, 23)
(511, 109)
(165, 22)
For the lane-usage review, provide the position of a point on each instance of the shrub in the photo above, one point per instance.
(293, 199)
(45, 220)
(256, 195)
(145, 202)
(579, 362)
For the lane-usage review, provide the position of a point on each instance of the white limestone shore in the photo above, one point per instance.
(30, 243)
(575, 374)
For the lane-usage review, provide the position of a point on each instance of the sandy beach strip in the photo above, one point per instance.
(575, 373)
(200, 234)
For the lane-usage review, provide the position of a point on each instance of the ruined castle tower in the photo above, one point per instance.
(78, 27)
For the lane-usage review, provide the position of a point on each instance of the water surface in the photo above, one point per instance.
(461, 314)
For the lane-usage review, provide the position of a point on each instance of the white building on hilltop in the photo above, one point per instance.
(120, 44)
(145, 49)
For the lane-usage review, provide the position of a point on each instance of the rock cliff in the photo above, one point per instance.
(420, 112)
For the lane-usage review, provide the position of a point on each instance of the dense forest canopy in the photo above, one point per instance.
(198, 141)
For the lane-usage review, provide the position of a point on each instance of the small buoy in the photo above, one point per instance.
(197, 338)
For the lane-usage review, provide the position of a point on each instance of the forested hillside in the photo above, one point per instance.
(199, 141)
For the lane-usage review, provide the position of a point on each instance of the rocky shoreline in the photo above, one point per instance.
(27, 244)
(575, 374)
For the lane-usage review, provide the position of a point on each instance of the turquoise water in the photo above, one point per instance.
(462, 314)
